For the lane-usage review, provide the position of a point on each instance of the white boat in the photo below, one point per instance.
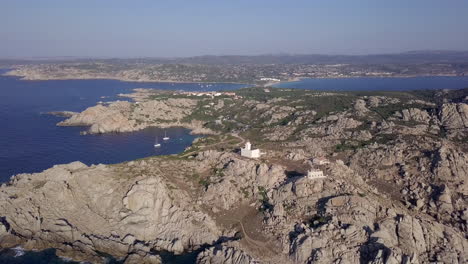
(156, 143)
(165, 136)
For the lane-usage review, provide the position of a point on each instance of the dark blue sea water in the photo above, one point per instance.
(380, 84)
(30, 141)
(17, 256)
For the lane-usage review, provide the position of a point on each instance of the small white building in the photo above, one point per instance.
(249, 152)
(270, 79)
(320, 161)
(315, 174)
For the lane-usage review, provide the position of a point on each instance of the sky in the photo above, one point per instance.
(174, 28)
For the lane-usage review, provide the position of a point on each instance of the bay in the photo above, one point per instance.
(31, 142)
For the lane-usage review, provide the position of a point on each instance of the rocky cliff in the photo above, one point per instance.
(85, 210)
(122, 116)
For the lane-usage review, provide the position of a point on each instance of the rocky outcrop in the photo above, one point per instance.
(454, 116)
(376, 101)
(277, 113)
(241, 179)
(104, 119)
(450, 164)
(415, 114)
(226, 255)
(142, 258)
(278, 133)
(367, 233)
(454, 119)
(122, 116)
(82, 210)
(334, 126)
(360, 107)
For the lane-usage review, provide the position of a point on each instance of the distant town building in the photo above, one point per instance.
(266, 90)
(270, 79)
(248, 152)
(320, 161)
(212, 94)
(315, 174)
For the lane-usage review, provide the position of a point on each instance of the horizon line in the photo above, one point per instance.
(76, 57)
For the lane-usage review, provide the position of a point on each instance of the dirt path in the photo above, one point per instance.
(263, 247)
(215, 144)
(239, 137)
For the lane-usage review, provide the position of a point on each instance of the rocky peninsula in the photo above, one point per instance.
(395, 190)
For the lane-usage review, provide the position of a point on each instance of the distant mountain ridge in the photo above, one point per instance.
(410, 57)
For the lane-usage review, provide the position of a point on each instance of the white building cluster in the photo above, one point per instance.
(270, 79)
(248, 152)
(315, 174)
(212, 94)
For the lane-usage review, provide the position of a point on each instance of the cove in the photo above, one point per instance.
(31, 142)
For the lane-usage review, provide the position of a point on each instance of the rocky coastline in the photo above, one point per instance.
(123, 116)
(395, 190)
(44, 74)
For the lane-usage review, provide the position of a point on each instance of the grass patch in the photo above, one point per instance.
(264, 200)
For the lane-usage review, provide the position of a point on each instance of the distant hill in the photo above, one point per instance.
(405, 58)
(412, 57)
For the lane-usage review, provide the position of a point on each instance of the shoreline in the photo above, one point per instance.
(268, 84)
(28, 78)
(298, 79)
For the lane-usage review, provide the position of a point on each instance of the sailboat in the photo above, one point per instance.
(156, 143)
(165, 136)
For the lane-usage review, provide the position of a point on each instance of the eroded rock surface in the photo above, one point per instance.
(98, 208)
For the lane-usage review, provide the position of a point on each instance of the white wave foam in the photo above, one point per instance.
(19, 251)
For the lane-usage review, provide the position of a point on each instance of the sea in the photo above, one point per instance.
(30, 141)
(378, 83)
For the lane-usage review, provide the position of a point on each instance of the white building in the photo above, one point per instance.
(320, 161)
(315, 174)
(249, 152)
(270, 79)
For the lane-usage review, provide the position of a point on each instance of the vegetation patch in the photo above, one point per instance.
(264, 200)
(318, 220)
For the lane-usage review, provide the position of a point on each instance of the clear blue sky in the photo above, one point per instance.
(136, 28)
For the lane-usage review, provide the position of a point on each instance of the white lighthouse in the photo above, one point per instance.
(248, 152)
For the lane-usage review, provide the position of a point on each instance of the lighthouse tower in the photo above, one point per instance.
(248, 152)
(248, 146)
